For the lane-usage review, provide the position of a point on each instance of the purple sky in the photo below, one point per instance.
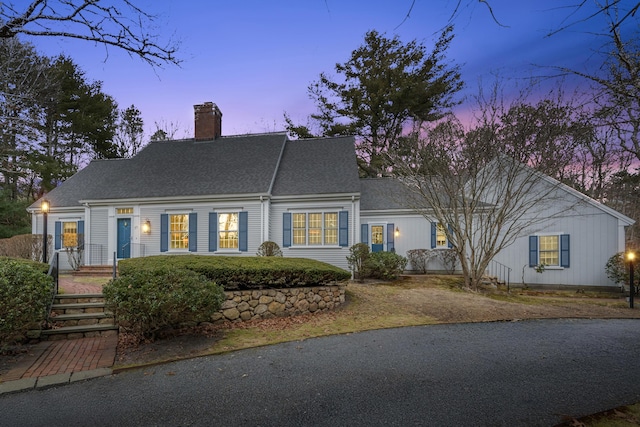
(255, 58)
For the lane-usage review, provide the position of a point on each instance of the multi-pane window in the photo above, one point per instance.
(179, 231)
(299, 229)
(69, 234)
(549, 253)
(228, 230)
(124, 211)
(315, 228)
(331, 228)
(441, 235)
(377, 235)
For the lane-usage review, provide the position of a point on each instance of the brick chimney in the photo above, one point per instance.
(208, 121)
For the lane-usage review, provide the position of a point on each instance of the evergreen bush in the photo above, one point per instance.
(147, 302)
(25, 294)
(385, 265)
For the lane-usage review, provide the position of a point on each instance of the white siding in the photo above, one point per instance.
(414, 232)
(97, 249)
(51, 230)
(331, 254)
(152, 213)
(593, 240)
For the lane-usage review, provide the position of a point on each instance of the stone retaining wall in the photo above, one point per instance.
(241, 306)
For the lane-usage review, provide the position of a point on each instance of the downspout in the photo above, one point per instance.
(355, 221)
(262, 217)
(87, 234)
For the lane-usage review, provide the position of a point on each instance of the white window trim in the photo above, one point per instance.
(62, 233)
(446, 239)
(178, 250)
(551, 267)
(227, 250)
(315, 246)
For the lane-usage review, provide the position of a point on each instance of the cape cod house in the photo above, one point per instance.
(216, 194)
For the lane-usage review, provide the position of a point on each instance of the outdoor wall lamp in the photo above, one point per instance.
(44, 207)
(397, 232)
(146, 227)
(631, 257)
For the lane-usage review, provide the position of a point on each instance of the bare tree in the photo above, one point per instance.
(118, 23)
(616, 86)
(463, 179)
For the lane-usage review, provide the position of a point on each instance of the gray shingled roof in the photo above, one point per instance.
(383, 194)
(228, 165)
(318, 166)
(231, 165)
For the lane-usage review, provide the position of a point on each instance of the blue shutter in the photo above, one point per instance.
(213, 231)
(343, 227)
(364, 233)
(80, 234)
(193, 232)
(243, 226)
(533, 251)
(390, 245)
(286, 229)
(164, 232)
(433, 234)
(450, 234)
(58, 235)
(564, 250)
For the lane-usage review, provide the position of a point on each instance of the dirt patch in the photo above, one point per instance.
(414, 300)
(411, 301)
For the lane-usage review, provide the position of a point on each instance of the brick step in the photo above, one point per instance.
(74, 332)
(94, 270)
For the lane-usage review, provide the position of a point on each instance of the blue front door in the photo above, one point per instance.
(377, 238)
(124, 238)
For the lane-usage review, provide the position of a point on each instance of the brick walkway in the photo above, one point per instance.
(65, 356)
(57, 362)
(81, 285)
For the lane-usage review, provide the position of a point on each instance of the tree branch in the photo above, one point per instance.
(123, 25)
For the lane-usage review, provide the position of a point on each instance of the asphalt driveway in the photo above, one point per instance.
(530, 373)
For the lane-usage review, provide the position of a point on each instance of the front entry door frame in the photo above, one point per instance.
(124, 238)
(377, 237)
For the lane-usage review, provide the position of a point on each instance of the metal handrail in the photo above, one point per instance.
(501, 271)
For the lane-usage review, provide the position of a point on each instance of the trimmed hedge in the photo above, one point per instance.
(25, 293)
(238, 273)
(385, 265)
(40, 266)
(147, 302)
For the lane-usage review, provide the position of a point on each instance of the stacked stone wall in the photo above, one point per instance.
(247, 305)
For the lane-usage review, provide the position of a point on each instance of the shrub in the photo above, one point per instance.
(147, 302)
(419, 259)
(234, 273)
(357, 259)
(25, 293)
(269, 248)
(618, 270)
(449, 259)
(385, 265)
(26, 246)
